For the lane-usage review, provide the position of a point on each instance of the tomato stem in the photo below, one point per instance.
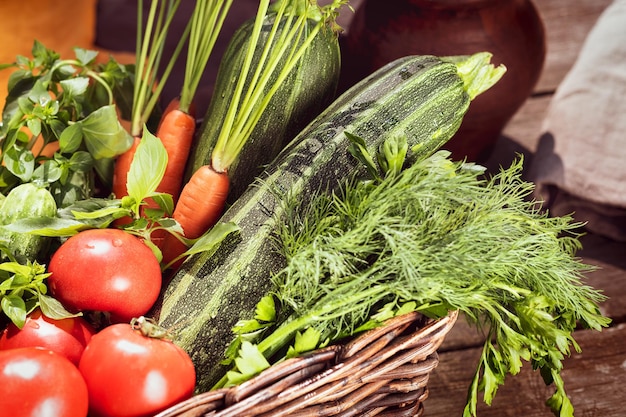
(149, 328)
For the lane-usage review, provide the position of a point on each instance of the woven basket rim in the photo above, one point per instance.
(377, 368)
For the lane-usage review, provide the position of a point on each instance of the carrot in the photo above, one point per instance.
(120, 174)
(176, 131)
(175, 104)
(199, 207)
(120, 170)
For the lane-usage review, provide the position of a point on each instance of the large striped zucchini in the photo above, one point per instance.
(422, 97)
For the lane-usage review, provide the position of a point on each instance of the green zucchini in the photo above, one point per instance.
(421, 97)
(25, 201)
(310, 86)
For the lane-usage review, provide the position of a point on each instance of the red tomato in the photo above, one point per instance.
(67, 337)
(106, 270)
(129, 374)
(37, 382)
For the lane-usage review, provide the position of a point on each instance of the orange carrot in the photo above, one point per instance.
(176, 131)
(120, 174)
(40, 148)
(199, 207)
(174, 104)
(121, 168)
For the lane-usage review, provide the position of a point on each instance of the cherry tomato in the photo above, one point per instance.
(67, 337)
(107, 270)
(131, 374)
(37, 382)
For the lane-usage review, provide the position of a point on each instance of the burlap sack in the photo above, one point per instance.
(580, 162)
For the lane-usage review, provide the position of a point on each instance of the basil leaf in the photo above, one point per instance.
(71, 138)
(20, 163)
(75, 87)
(104, 136)
(147, 168)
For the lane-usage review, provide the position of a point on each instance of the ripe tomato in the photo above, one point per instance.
(130, 374)
(67, 337)
(106, 270)
(37, 382)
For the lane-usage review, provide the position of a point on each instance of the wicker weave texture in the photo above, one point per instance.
(383, 372)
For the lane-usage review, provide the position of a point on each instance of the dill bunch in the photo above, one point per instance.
(434, 236)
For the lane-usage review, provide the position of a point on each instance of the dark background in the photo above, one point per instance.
(116, 31)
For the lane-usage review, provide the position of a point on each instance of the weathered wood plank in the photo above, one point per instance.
(567, 23)
(594, 380)
(610, 276)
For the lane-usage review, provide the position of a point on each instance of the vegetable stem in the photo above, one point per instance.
(150, 43)
(205, 26)
(280, 53)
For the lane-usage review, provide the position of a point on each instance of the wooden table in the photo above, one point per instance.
(595, 378)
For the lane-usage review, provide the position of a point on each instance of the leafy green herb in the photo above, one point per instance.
(70, 103)
(433, 237)
(22, 290)
(146, 171)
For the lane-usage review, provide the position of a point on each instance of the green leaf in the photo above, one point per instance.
(48, 172)
(34, 125)
(85, 56)
(307, 341)
(20, 162)
(266, 309)
(211, 239)
(104, 136)
(147, 168)
(251, 361)
(39, 94)
(16, 268)
(81, 161)
(358, 149)
(245, 327)
(164, 201)
(52, 308)
(15, 309)
(47, 226)
(75, 87)
(71, 138)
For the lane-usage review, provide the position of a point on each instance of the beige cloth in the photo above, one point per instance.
(580, 163)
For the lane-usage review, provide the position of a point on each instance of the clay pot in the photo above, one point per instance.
(511, 30)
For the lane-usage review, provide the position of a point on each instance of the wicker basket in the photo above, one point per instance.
(383, 372)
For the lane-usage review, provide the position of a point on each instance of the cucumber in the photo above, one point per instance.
(421, 97)
(25, 201)
(310, 86)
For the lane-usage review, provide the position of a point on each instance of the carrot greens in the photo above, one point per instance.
(435, 236)
(280, 52)
(150, 43)
(205, 26)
